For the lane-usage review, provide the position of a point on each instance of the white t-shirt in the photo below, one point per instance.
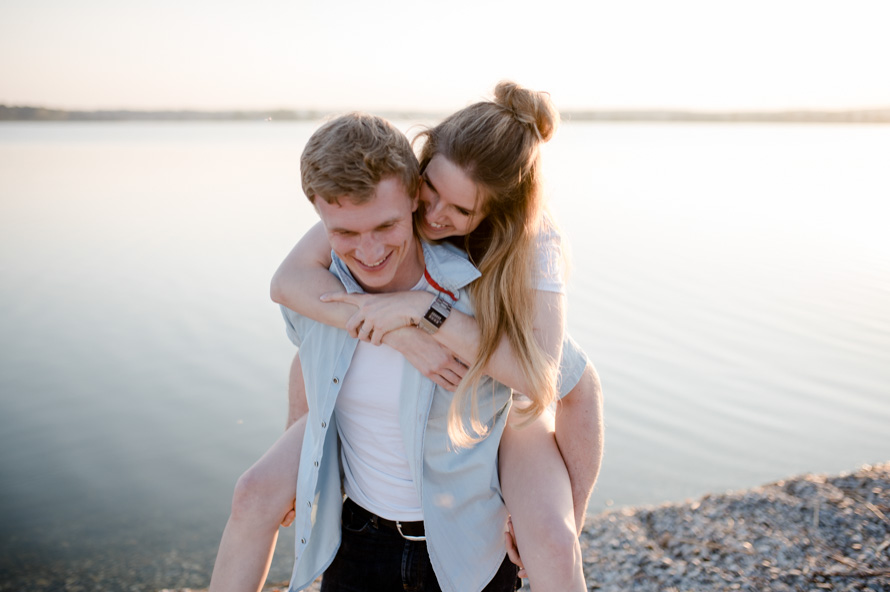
(375, 463)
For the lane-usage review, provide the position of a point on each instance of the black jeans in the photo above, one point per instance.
(378, 559)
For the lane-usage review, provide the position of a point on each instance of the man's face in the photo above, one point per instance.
(376, 239)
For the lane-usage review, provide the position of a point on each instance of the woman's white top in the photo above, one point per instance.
(551, 262)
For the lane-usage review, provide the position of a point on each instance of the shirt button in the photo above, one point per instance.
(336, 380)
(309, 504)
(303, 541)
(324, 425)
(316, 463)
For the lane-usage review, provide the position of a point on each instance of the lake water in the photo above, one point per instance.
(730, 282)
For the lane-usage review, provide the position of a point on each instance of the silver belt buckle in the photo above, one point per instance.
(405, 536)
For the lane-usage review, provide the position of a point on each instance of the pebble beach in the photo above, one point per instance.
(808, 533)
(804, 534)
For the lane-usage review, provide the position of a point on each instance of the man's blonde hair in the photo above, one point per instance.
(351, 154)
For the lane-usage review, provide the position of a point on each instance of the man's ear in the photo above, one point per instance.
(415, 201)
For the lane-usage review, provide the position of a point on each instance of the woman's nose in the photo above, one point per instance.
(433, 208)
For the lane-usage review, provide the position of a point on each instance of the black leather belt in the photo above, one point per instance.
(412, 531)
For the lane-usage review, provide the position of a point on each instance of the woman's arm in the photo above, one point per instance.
(303, 276)
(579, 436)
(461, 334)
(434, 361)
(379, 314)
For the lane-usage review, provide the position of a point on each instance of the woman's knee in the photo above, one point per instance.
(559, 550)
(250, 494)
(553, 534)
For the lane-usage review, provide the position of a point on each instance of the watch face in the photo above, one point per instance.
(435, 317)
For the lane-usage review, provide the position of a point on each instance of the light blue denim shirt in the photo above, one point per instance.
(464, 514)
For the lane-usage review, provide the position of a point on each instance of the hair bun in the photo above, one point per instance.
(529, 107)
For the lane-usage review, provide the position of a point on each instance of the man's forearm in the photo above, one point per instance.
(579, 435)
(297, 406)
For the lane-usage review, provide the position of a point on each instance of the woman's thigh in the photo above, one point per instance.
(534, 479)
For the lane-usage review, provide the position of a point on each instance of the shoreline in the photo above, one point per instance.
(806, 533)
(855, 115)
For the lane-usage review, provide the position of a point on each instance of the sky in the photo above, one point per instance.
(439, 56)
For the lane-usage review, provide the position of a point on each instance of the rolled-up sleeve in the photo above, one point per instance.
(571, 366)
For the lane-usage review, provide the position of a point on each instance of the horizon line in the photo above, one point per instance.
(853, 115)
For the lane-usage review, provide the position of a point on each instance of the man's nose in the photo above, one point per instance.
(371, 249)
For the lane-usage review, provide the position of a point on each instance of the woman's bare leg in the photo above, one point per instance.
(263, 496)
(538, 494)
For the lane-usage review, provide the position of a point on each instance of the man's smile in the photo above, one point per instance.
(373, 265)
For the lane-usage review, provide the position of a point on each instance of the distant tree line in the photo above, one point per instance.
(16, 113)
(8, 113)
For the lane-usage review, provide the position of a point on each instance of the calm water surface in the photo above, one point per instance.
(731, 283)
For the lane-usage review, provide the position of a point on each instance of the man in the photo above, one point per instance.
(420, 513)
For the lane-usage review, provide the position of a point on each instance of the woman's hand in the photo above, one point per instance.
(434, 361)
(378, 314)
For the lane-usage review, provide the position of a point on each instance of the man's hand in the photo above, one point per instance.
(291, 514)
(513, 550)
(378, 314)
(434, 361)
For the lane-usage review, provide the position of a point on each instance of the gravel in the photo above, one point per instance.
(806, 534)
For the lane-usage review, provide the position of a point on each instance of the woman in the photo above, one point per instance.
(481, 188)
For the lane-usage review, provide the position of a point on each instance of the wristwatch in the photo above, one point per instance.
(435, 316)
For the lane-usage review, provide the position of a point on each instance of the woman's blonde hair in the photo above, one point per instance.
(497, 144)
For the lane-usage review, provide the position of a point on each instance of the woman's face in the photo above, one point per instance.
(448, 201)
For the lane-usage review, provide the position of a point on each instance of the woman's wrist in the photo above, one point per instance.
(421, 300)
(400, 339)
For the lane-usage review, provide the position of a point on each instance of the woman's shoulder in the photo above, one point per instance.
(549, 234)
